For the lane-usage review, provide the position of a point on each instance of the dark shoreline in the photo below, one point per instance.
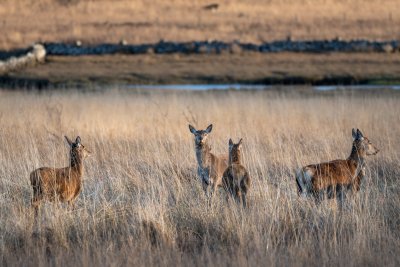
(215, 47)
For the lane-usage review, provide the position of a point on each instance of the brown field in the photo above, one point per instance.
(142, 204)
(95, 21)
(287, 68)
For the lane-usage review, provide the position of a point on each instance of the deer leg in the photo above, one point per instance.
(35, 206)
(341, 196)
(230, 190)
(229, 194)
(244, 200)
(318, 196)
(36, 199)
(225, 186)
(205, 188)
(244, 186)
(207, 192)
(357, 183)
(226, 190)
(212, 192)
(238, 195)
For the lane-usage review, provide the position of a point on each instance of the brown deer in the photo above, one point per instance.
(236, 179)
(210, 167)
(335, 178)
(60, 184)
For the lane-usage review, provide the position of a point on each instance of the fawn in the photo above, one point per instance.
(210, 167)
(63, 184)
(336, 177)
(236, 179)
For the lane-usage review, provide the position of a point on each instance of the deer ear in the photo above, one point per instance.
(354, 133)
(192, 129)
(240, 141)
(359, 134)
(78, 140)
(209, 128)
(230, 143)
(68, 140)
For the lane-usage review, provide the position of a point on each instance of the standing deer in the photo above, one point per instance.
(63, 184)
(236, 179)
(210, 167)
(336, 177)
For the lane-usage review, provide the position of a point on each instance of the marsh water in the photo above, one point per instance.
(205, 87)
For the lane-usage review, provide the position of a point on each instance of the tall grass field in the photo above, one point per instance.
(142, 203)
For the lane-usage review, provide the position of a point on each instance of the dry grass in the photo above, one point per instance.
(24, 21)
(142, 204)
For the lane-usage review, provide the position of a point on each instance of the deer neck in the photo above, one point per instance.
(235, 159)
(76, 164)
(203, 155)
(358, 158)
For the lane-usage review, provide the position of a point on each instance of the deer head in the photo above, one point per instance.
(362, 144)
(235, 155)
(77, 151)
(200, 136)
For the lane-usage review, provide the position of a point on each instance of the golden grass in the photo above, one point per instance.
(140, 21)
(143, 205)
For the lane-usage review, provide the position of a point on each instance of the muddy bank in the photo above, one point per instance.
(245, 68)
(330, 62)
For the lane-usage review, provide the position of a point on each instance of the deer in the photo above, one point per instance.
(210, 167)
(60, 184)
(236, 178)
(335, 178)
